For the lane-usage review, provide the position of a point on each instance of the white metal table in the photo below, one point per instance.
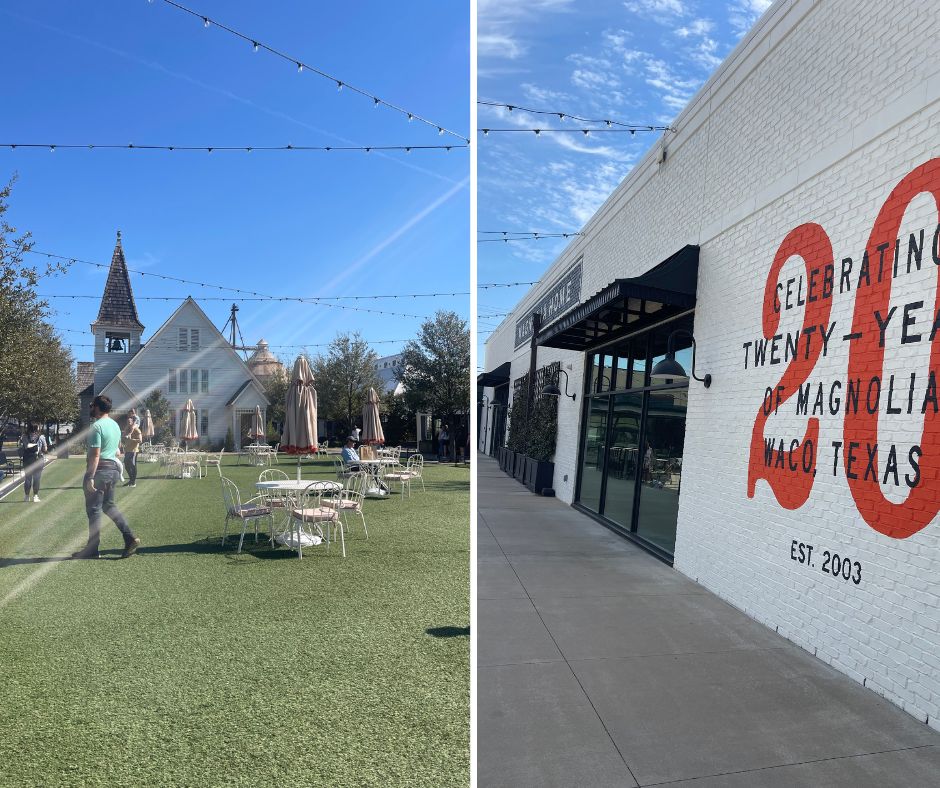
(297, 486)
(374, 467)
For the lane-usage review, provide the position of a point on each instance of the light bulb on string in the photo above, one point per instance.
(254, 46)
(339, 85)
(376, 102)
(586, 132)
(205, 21)
(410, 117)
(486, 132)
(632, 132)
(440, 131)
(300, 67)
(538, 132)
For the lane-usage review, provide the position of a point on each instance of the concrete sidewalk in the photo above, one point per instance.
(600, 666)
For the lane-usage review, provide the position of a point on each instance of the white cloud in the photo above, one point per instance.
(535, 93)
(742, 14)
(593, 73)
(658, 10)
(698, 27)
(499, 24)
(499, 45)
(675, 92)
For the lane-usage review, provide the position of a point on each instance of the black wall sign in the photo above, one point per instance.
(563, 295)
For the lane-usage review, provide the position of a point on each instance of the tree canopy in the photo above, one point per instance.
(435, 366)
(343, 377)
(36, 378)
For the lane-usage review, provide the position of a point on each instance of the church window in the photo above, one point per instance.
(205, 381)
(194, 339)
(204, 422)
(171, 386)
(184, 339)
(194, 381)
(184, 381)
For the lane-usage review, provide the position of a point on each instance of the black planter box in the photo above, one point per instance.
(539, 475)
(518, 472)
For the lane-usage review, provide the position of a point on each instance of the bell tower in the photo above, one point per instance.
(117, 329)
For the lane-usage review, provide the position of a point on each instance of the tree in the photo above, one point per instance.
(343, 378)
(398, 421)
(275, 389)
(35, 368)
(159, 407)
(435, 368)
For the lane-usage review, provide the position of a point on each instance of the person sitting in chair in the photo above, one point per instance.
(353, 462)
(350, 455)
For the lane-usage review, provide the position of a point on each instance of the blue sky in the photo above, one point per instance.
(634, 61)
(277, 223)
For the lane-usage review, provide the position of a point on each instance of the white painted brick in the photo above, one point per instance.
(815, 117)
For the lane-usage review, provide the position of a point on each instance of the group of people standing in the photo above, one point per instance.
(103, 471)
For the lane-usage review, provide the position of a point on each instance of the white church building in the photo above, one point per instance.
(186, 358)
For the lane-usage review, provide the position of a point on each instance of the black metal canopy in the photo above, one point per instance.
(496, 377)
(626, 305)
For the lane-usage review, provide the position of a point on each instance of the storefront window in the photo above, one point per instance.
(631, 466)
(592, 463)
(682, 345)
(663, 442)
(622, 457)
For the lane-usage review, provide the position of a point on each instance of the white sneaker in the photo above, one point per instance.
(35, 499)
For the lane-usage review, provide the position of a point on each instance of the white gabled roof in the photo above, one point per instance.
(218, 335)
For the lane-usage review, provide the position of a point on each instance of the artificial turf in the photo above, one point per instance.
(189, 665)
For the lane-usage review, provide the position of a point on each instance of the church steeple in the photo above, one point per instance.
(118, 309)
(117, 330)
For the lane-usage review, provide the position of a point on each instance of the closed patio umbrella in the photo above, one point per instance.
(257, 424)
(371, 425)
(300, 413)
(188, 430)
(146, 425)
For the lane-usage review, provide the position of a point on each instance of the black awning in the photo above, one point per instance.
(496, 377)
(626, 305)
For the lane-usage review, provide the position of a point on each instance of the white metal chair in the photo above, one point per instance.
(399, 473)
(341, 469)
(415, 467)
(276, 499)
(349, 500)
(215, 461)
(308, 515)
(250, 511)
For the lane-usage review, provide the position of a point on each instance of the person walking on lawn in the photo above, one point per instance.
(102, 475)
(132, 440)
(32, 449)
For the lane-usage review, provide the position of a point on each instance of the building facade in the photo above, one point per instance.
(790, 223)
(186, 358)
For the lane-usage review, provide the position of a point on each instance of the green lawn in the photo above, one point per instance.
(189, 665)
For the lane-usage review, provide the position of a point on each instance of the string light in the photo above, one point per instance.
(229, 148)
(513, 235)
(632, 127)
(487, 131)
(291, 299)
(340, 84)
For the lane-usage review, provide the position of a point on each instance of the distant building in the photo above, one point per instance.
(387, 367)
(264, 364)
(187, 358)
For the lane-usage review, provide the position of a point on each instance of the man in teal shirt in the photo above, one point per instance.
(102, 475)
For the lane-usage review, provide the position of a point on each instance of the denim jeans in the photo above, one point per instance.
(130, 465)
(33, 469)
(102, 500)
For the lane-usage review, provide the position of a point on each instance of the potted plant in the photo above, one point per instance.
(540, 448)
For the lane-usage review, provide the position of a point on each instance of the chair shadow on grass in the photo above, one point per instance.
(448, 632)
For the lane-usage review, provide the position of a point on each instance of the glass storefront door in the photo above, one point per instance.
(627, 410)
(592, 459)
(662, 467)
(634, 434)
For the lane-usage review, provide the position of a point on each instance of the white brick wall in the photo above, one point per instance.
(816, 117)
